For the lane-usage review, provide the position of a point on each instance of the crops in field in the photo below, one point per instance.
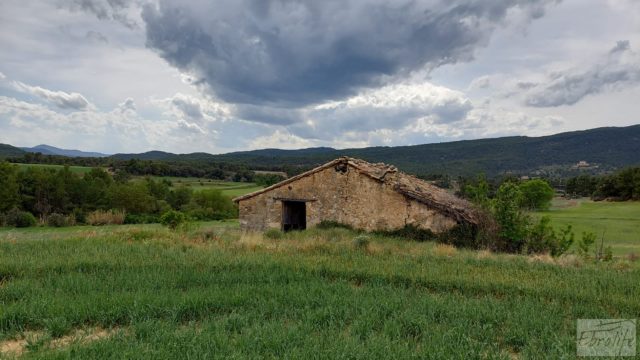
(211, 291)
(618, 222)
(74, 169)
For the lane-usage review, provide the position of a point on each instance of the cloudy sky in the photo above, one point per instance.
(225, 75)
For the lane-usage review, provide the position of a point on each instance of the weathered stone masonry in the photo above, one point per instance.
(354, 192)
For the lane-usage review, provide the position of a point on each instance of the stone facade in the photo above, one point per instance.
(342, 193)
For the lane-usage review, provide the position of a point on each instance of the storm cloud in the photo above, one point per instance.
(117, 10)
(296, 53)
(619, 68)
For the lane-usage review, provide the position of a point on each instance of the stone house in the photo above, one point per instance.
(354, 192)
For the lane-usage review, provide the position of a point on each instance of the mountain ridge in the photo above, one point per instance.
(52, 150)
(606, 148)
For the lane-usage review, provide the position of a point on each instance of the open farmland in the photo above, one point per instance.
(143, 291)
(228, 188)
(74, 169)
(618, 221)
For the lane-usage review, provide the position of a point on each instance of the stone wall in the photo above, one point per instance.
(344, 196)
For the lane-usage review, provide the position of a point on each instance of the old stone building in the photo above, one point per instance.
(354, 192)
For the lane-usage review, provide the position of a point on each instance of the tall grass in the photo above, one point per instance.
(106, 217)
(215, 292)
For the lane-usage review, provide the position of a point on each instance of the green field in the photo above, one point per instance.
(618, 221)
(212, 292)
(229, 188)
(74, 169)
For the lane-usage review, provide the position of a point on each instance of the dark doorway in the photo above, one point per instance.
(294, 215)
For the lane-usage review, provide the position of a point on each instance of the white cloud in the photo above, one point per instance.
(280, 139)
(619, 68)
(61, 99)
(190, 127)
(127, 105)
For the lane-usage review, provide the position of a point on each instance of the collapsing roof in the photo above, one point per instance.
(410, 186)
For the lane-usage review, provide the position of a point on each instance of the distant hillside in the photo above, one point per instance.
(52, 150)
(607, 148)
(200, 156)
(10, 151)
(149, 155)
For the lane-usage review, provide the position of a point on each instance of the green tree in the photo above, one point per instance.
(9, 189)
(133, 197)
(512, 220)
(267, 179)
(478, 193)
(536, 194)
(179, 197)
(211, 205)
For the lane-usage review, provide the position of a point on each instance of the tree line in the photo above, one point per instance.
(229, 171)
(621, 186)
(59, 196)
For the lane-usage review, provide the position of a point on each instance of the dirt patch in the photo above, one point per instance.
(17, 347)
(81, 336)
(13, 347)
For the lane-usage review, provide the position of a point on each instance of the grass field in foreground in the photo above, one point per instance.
(146, 292)
(74, 169)
(620, 221)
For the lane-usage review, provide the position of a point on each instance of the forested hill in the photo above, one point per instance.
(52, 150)
(10, 151)
(607, 148)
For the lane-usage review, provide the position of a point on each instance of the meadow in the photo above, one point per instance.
(618, 222)
(228, 188)
(210, 291)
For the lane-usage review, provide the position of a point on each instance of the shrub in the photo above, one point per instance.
(273, 234)
(584, 245)
(172, 219)
(505, 227)
(329, 224)
(410, 232)
(59, 220)
(560, 245)
(25, 219)
(111, 217)
(536, 194)
(211, 205)
(461, 235)
(361, 242)
(19, 218)
(79, 216)
(141, 219)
